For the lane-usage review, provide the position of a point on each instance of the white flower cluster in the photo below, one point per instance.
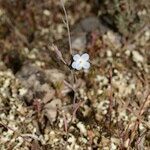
(81, 61)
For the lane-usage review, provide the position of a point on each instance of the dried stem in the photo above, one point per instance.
(19, 135)
(67, 25)
(71, 53)
(59, 54)
(138, 121)
(110, 95)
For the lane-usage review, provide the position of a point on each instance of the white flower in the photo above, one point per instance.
(81, 61)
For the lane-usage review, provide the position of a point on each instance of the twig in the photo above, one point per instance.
(137, 121)
(33, 136)
(110, 95)
(65, 123)
(135, 36)
(75, 110)
(140, 138)
(134, 113)
(19, 135)
(73, 89)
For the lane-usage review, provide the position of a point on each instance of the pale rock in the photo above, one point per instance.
(55, 75)
(22, 91)
(50, 109)
(46, 12)
(82, 128)
(71, 139)
(113, 146)
(109, 53)
(137, 57)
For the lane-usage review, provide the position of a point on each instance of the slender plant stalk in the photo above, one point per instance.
(67, 25)
(70, 47)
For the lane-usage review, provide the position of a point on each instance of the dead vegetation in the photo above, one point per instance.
(45, 104)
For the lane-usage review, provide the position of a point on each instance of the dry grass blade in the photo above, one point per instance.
(59, 54)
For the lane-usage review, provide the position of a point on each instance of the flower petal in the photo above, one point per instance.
(76, 57)
(85, 56)
(74, 64)
(78, 65)
(86, 65)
